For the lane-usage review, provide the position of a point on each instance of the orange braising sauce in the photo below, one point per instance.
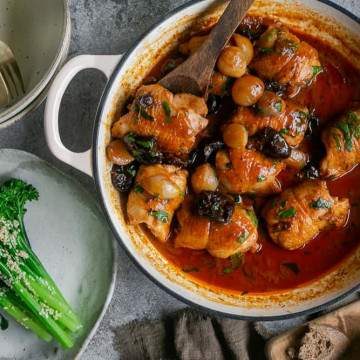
(273, 268)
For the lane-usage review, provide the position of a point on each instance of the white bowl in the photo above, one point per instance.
(320, 18)
(38, 32)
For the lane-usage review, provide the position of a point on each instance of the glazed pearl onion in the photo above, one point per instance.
(218, 84)
(231, 62)
(235, 136)
(247, 90)
(222, 160)
(160, 185)
(270, 104)
(245, 45)
(204, 179)
(118, 154)
(192, 45)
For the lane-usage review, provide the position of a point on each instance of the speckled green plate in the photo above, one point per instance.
(69, 234)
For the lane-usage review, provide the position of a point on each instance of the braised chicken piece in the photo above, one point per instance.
(238, 236)
(291, 121)
(284, 58)
(248, 171)
(193, 229)
(222, 240)
(299, 214)
(174, 120)
(158, 192)
(342, 142)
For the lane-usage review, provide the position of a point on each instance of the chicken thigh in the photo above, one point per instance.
(221, 240)
(342, 142)
(284, 58)
(248, 171)
(299, 214)
(158, 192)
(174, 120)
(291, 123)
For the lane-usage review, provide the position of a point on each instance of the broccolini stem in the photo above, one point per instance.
(14, 309)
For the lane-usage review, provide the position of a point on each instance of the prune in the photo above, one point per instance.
(270, 142)
(251, 28)
(143, 148)
(309, 171)
(271, 85)
(215, 206)
(313, 126)
(204, 153)
(145, 100)
(213, 104)
(123, 176)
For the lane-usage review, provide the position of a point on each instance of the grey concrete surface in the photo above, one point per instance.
(106, 27)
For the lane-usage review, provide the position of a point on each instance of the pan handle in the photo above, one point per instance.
(81, 161)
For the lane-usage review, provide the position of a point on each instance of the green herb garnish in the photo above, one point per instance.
(261, 178)
(160, 215)
(138, 189)
(321, 204)
(236, 261)
(266, 50)
(283, 131)
(350, 127)
(287, 213)
(278, 106)
(167, 110)
(142, 112)
(228, 270)
(317, 70)
(252, 216)
(337, 141)
(243, 237)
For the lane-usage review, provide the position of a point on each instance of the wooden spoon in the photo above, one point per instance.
(193, 75)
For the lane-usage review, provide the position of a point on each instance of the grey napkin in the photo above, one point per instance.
(189, 335)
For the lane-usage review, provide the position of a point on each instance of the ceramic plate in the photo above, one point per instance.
(69, 234)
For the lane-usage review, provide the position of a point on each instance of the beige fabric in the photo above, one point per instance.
(189, 335)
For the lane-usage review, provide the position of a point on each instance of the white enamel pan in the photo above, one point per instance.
(125, 73)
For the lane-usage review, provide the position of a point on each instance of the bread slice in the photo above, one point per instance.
(322, 342)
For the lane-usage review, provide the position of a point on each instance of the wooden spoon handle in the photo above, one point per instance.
(221, 34)
(200, 65)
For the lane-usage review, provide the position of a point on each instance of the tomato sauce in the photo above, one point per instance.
(274, 268)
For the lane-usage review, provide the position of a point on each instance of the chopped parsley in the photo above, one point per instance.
(226, 86)
(266, 50)
(251, 214)
(142, 112)
(283, 131)
(337, 140)
(278, 106)
(138, 189)
(167, 110)
(350, 128)
(287, 213)
(160, 215)
(236, 261)
(243, 237)
(228, 270)
(321, 204)
(317, 70)
(261, 178)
